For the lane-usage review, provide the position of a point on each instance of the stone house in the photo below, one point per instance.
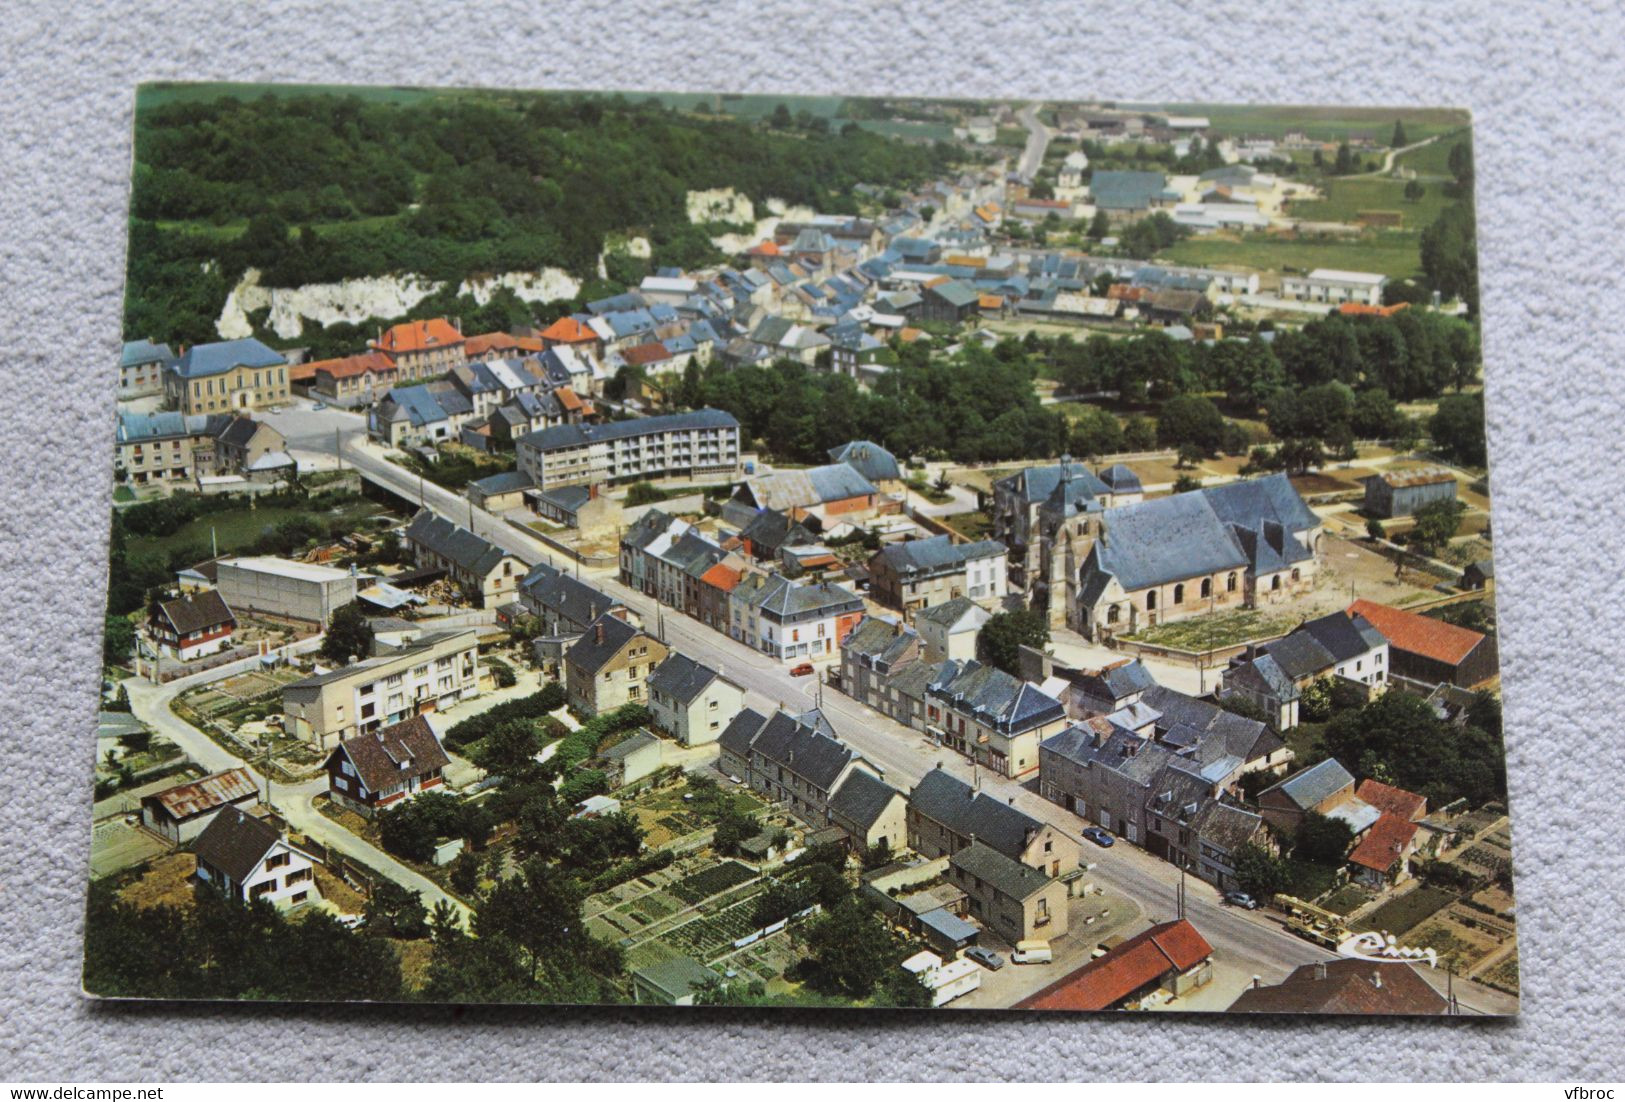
(608, 666)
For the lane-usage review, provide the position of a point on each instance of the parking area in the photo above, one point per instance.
(1091, 918)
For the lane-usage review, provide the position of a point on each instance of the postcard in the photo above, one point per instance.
(713, 549)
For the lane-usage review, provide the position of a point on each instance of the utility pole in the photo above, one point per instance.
(338, 449)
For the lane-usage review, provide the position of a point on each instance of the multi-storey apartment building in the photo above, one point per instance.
(434, 671)
(703, 443)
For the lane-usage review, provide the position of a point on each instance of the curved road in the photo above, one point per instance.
(151, 704)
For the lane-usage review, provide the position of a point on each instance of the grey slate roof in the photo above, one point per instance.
(869, 459)
(944, 798)
(144, 352)
(803, 749)
(1310, 787)
(948, 613)
(1225, 826)
(997, 699)
(1008, 876)
(591, 652)
(565, 595)
(772, 530)
(458, 545)
(1116, 682)
(737, 736)
(681, 677)
(569, 436)
(1263, 675)
(1344, 636)
(202, 360)
(1121, 480)
(861, 798)
(235, 843)
(1248, 501)
(646, 529)
(1163, 540)
(504, 482)
(1038, 483)
(936, 555)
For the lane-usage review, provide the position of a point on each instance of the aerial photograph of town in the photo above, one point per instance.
(773, 551)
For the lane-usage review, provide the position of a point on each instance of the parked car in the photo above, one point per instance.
(319, 405)
(802, 670)
(1099, 837)
(1032, 952)
(1242, 900)
(987, 958)
(736, 780)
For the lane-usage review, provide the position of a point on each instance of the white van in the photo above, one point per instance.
(1032, 952)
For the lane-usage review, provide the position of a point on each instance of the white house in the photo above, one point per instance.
(692, 702)
(245, 858)
(949, 630)
(1335, 287)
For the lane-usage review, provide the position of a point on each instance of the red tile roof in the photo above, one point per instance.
(417, 336)
(1360, 309)
(1384, 843)
(1142, 959)
(568, 330)
(1417, 634)
(990, 302)
(641, 355)
(347, 367)
(722, 576)
(568, 398)
(1395, 801)
(481, 343)
(766, 248)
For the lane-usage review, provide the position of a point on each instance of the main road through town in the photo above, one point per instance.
(1248, 941)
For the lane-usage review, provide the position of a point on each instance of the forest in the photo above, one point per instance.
(322, 187)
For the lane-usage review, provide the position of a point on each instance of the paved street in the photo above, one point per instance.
(1032, 156)
(150, 703)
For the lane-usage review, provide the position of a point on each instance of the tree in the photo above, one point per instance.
(644, 493)
(1345, 163)
(118, 640)
(851, 951)
(1000, 641)
(1398, 139)
(465, 873)
(1321, 839)
(392, 911)
(1435, 525)
(1300, 455)
(1375, 530)
(1184, 484)
(1190, 419)
(349, 635)
(1259, 872)
(1457, 429)
(1139, 434)
(1414, 191)
(510, 750)
(1100, 226)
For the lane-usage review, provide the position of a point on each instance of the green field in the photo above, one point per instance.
(1430, 160)
(1408, 911)
(1397, 255)
(237, 529)
(1215, 630)
(1325, 123)
(1346, 198)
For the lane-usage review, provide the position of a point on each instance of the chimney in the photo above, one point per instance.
(1011, 801)
(1320, 970)
(600, 633)
(1257, 980)
(1376, 978)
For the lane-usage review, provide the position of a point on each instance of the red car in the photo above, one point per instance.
(802, 670)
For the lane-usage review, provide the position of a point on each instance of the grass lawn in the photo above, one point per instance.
(238, 529)
(1217, 630)
(1345, 198)
(1394, 254)
(1324, 123)
(1408, 911)
(1345, 899)
(973, 526)
(1431, 160)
